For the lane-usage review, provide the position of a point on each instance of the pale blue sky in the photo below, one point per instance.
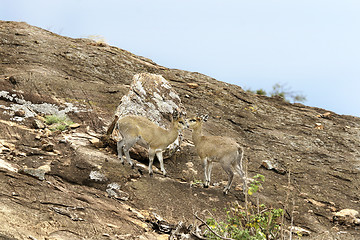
(313, 46)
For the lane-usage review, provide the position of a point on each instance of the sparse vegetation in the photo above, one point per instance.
(256, 183)
(283, 91)
(196, 182)
(252, 222)
(57, 122)
(261, 92)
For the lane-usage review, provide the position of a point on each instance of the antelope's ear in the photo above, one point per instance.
(205, 117)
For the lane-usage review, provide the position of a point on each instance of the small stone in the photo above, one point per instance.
(114, 191)
(300, 230)
(326, 115)
(192, 85)
(267, 164)
(332, 208)
(97, 176)
(8, 166)
(189, 164)
(12, 80)
(57, 152)
(38, 124)
(74, 125)
(41, 118)
(117, 194)
(32, 238)
(4, 149)
(96, 142)
(46, 168)
(316, 203)
(335, 229)
(47, 132)
(302, 194)
(48, 147)
(272, 165)
(20, 113)
(319, 126)
(7, 146)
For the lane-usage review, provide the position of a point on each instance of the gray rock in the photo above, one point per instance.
(152, 96)
(273, 165)
(97, 176)
(347, 217)
(38, 173)
(113, 190)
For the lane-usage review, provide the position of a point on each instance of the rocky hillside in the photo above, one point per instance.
(61, 185)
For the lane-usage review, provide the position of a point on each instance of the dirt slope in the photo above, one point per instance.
(321, 151)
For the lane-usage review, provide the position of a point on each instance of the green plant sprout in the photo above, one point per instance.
(255, 184)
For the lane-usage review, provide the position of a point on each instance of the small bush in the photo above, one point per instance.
(57, 122)
(252, 222)
(261, 92)
(285, 92)
(51, 119)
(259, 223)
(281, 90)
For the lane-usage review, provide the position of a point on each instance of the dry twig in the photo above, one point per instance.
(203, 222)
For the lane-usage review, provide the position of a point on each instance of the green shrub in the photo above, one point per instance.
(285, 92)
(259, 223)
(51, 119)
(281, 90)
(57, 122)
(261, 92)
(252, 222)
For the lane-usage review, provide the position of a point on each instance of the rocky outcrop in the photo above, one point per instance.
(151, 96)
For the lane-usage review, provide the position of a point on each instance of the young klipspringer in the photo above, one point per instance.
(220, 149)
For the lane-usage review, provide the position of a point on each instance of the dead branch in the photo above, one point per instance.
(203, 222)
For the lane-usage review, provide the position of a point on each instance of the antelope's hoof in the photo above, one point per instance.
(206, 185)
(151, 174)
(132, 166)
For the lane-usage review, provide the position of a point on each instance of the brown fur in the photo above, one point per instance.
(135, 128)
(220, 149)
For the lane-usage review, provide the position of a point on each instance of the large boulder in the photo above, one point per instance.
(152, 96)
